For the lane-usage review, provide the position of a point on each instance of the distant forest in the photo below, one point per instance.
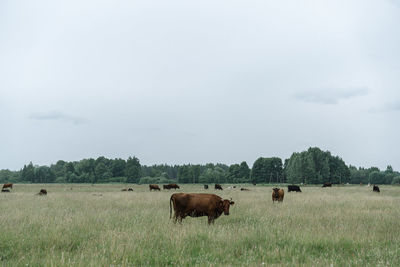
(313, 166)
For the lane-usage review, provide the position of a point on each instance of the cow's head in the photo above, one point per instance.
(225, 205)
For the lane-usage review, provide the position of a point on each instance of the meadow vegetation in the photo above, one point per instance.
(99, 225)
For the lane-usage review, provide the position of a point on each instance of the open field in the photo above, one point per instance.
(101, 226)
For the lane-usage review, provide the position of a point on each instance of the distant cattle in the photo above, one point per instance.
(9, 185)
(327, 184)
(294, 188)
(154, 187)
(218, 187)
(206, 186)
(277, 194)
(376, 189)
(244, 189)
(4, 190)
(197, 205)
(127, 189)
(171, 186)
(42, 192)
(254, 183)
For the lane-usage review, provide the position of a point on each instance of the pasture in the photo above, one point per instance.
(101, 226)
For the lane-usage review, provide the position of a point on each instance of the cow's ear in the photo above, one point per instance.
(231, 202)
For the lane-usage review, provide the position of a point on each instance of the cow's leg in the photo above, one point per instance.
(210, 220)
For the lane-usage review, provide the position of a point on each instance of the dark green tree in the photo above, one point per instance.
(133, 170)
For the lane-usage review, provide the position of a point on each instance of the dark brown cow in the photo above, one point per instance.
(196, 205)
(218, 187)
(244, 189)
(171, 186)
(10, 185)
(127, 189)
(206, 186)
(327, 184)
(42, 192)
(294, 188)
(5, 190)
(376, 189)
(277, 194)
(154, 187)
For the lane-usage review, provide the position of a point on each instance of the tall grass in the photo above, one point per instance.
(101, 226)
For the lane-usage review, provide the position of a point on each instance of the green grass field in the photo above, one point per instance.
(101, 226)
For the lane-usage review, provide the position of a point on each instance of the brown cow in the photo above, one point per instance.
(171, 186)
(10, 185)
(154, 187)
(196, 205)
(42, 192)
(277, 194)
(127, 189)
(376, 189)
(327, 184)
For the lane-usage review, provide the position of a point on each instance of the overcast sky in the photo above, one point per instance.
(199, 81)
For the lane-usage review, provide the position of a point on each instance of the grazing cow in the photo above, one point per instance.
(218, 187)
(206, 186)
(171, 186)
(294, 188)
(376, 189)
(196, 205)
(154, 187)
(42, 192)
(10, 185)
(327, 184)
(127, 189)
(5, 190)
(244, 189)
(277, 194)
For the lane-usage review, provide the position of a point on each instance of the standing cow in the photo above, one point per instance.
(277, 194)
(218, 187)
(376, 189)
(171, 186)
(154, 187)
(294, 188)
(197, 205)
(206, 186)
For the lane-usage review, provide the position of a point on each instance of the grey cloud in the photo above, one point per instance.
(330, 96)
(57, 116)
(394, 106)
(394, 2)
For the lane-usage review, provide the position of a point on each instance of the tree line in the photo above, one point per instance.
(312, 166)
